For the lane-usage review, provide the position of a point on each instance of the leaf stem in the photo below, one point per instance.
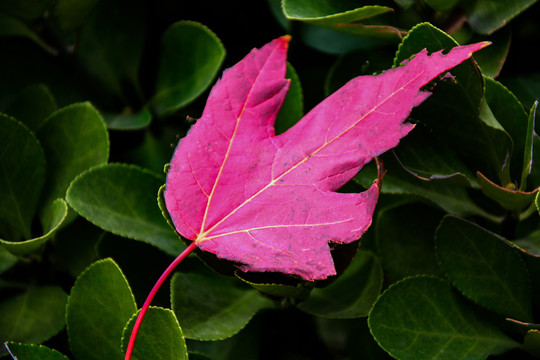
(151, 295)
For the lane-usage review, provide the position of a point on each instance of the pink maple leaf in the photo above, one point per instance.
(270, 202)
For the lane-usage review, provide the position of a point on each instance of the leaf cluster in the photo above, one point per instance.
(94, 95)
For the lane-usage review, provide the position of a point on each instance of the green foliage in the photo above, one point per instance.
(213, 307)
(160, 337)
(94, 95)
(99, 307)
(424, 317)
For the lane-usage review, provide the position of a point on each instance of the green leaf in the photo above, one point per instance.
(404, 230)
(7, 260)
(74, 139)
(54, 217)
(526, 88)
(424, 318)
(531, 343)
(421, 154)
(213, 307)
(75, 247)
(22, 174)
(353, 64)
(450, 197)
(534, 177)
(122, 199)
(12, 27)
(292, 109)
(510, 114)
(33, 352)
(510, 199)
(348, 38)
(530, 244)
(26, 10)
(485, 268)
(71, 13)
(32, 105)
(191, 55)
(34, 316)
(486, 16)
(329, 13)
(442, 5)
(528, 153)
(244, 345)
(99, 306)
(111, 45)
(492, 58)
(159, 338)
(452, 113)
(352, 294)
(128, 120)
(298, 291)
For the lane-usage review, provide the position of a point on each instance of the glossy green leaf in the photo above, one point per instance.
(159, 338)
(352, 294)
(528, 151)
(34, 316)
(111, 45)
(404, 230)
(486, 16)
(213, 307)
(449, 197)
(533, 179)
(530, 243)
(531, 343)
(510, 114)
(122, 199)
(330, 13)
(508, 198)
(452, 113)
(485, 268)
(33, 352)
(54, 217)
(191, 55)
(348, 38)
(292, 109)
(244, 345)
(425, 157)
(32, 105)
(492, 58)
(128, 120)
(74, 139)
(71, 13)
(22, 174)
(99, 306)
(425, 318)
(7, 260)
(12, 27)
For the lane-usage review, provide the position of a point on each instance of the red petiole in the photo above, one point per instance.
(151, 295)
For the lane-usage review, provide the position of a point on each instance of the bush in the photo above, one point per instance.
(94, 97)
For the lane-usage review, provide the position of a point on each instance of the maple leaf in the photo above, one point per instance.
(269, 202)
